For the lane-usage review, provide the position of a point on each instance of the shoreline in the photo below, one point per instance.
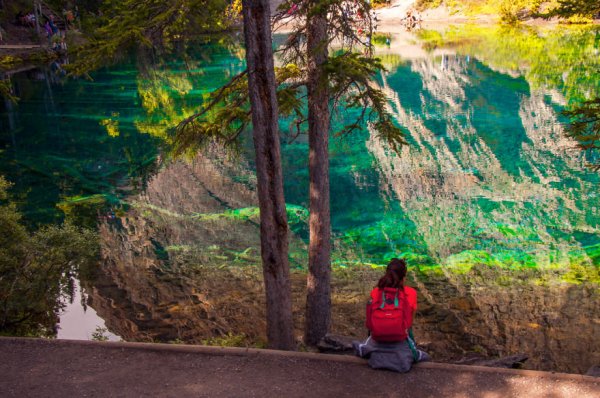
(389, 19)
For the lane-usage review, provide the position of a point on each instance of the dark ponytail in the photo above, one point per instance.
(394, 274)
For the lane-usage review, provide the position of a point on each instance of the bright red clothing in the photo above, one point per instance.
(408, 295)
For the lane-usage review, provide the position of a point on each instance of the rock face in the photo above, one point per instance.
(459, 188)
(158, 281)
(180, 265)
(171, 275)
(556, 325)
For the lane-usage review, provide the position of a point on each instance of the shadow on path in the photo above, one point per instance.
(36, 367)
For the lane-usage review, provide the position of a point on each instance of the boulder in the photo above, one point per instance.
(512, 361)
(333, 343)
(593, 371)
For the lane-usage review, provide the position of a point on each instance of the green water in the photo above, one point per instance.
(490, 202)
(488, 176)
(488, 169)
(82, 142)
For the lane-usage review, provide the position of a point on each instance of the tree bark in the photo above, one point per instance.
(318, 298)
(273, 217)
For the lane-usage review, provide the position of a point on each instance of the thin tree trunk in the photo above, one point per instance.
(273, 217)
(318, 298)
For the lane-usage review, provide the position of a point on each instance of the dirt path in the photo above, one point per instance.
(56, 368)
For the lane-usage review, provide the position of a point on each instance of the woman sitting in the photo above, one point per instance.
(390, 313)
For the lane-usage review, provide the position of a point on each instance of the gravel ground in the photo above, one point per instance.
(51, 368)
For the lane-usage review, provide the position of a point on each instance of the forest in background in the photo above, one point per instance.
(512, 11)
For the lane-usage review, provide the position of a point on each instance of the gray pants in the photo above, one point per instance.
(393, 356)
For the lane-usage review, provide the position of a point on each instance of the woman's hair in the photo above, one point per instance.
(394, 274)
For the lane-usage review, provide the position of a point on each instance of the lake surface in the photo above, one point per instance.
(490, 201)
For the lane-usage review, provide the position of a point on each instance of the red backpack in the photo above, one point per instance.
(388, 316)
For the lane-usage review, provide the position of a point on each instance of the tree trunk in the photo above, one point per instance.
(318, 298)
(273, 217)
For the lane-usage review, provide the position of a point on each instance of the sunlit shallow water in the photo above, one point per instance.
(488, 180)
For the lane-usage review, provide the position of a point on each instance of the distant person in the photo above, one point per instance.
(69, 17)
(53, 25)
(29, 20)
(48, 30)
(390, 313)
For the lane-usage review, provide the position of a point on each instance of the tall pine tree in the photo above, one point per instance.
(273, 217)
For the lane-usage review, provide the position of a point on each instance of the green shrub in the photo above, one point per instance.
(422, 5)
(37, 270)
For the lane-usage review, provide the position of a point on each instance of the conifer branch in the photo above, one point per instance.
(584, 127)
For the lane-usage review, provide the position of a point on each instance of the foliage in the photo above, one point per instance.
(169, 89)
(512, 11)
(6, 91)
(380, 3)
(551, 58)
(380, 39)
(111, 125)
(350, 76)
(422, 5)
(82, 210)
(37, 270)
(228, 340)
(10, 61)
(99, 334)
(151, 24)
(509, 12)
(223, 118)
(555, 59)
(585, 128)
(295, 214)
(573, 8)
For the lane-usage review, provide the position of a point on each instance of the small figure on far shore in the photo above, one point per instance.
(69, 17)
(412, 20)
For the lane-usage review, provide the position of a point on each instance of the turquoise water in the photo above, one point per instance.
(74, 139)
(488, 175)
(488, 169)
(489, 188)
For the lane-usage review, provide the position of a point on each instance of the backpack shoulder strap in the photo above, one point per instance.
(396, 301)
